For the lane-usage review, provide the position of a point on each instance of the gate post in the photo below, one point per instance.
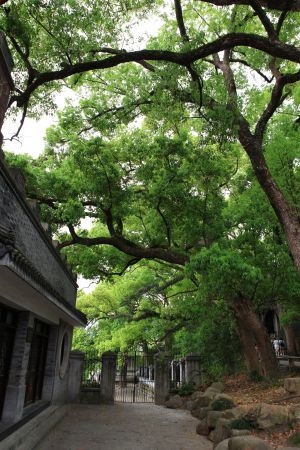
(162, 373)
(75, 375)
(108, 377)
(193, 368)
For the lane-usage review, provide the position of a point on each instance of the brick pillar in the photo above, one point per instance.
(193, 368)
(16, 387)
(75, 376)
(108, 377)
(162, 377)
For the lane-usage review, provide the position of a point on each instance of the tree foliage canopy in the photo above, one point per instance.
(183, 156)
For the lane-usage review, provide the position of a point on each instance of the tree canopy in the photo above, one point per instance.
(181, 156)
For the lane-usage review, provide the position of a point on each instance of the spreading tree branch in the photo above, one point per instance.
(245, 63)
(180, 21)
(271, 32)
(277, 98)
(277, 5)
(130, 263)
(126, 246)
(274, 48)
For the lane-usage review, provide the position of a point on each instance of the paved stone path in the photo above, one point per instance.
(125, 427)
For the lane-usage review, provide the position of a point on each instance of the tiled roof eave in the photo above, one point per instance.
(32, 273)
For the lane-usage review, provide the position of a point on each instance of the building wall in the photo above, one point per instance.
(61, 376)
(32, 241)
(57, 369)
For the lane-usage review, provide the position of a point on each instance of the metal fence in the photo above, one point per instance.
(135, 378)
(91, 375)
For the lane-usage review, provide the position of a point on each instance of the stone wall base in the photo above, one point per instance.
(30, 434)
(90, 396)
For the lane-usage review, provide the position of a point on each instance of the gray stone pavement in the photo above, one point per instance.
(125, 426)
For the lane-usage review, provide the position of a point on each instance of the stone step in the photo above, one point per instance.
(28, 436)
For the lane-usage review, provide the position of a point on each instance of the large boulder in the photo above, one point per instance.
(195, 395)
(212, 418)
(188, 404)
(200, 412)
(247, 443)
(202, 428)
(211, 436)
(294, 413)
(229, 414)
(270, 416)
(235, 433)
(292, 385)
(222, 431)
(222, 445)
(218, 386)
(174, 402)
(205, 399)
(222, 402)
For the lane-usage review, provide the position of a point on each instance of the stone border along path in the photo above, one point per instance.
(125, 427)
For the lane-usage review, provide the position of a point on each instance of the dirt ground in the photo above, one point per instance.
(125, 426)
(245, 392)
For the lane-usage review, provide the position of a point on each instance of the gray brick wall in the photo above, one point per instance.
(32, 242)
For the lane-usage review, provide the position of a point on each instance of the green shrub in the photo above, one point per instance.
(186, 389)
(295, 438)
(221, 404)
(174, 390)
(244, 424)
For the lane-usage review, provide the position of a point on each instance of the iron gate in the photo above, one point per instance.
(91, 375)
(135, 379)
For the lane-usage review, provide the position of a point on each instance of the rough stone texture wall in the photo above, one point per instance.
(32, 241)
(16, 387)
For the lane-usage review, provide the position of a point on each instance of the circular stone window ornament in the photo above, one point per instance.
(64, 354)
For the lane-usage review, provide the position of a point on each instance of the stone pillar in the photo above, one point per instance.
(50, 366)
(75, 376)
(193, 369)
(162, 377)
(16, 387)
(182, 372)
(108, 377)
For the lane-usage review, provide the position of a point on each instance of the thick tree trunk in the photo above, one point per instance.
(287, 216)
(168, 343)
(248, 345)
(292, 339)
(254, 338)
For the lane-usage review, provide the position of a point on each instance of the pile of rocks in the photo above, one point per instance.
(229, 427)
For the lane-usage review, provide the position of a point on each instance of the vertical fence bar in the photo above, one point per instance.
(139, 386)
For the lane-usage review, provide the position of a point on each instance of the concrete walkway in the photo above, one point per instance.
(125, 426)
